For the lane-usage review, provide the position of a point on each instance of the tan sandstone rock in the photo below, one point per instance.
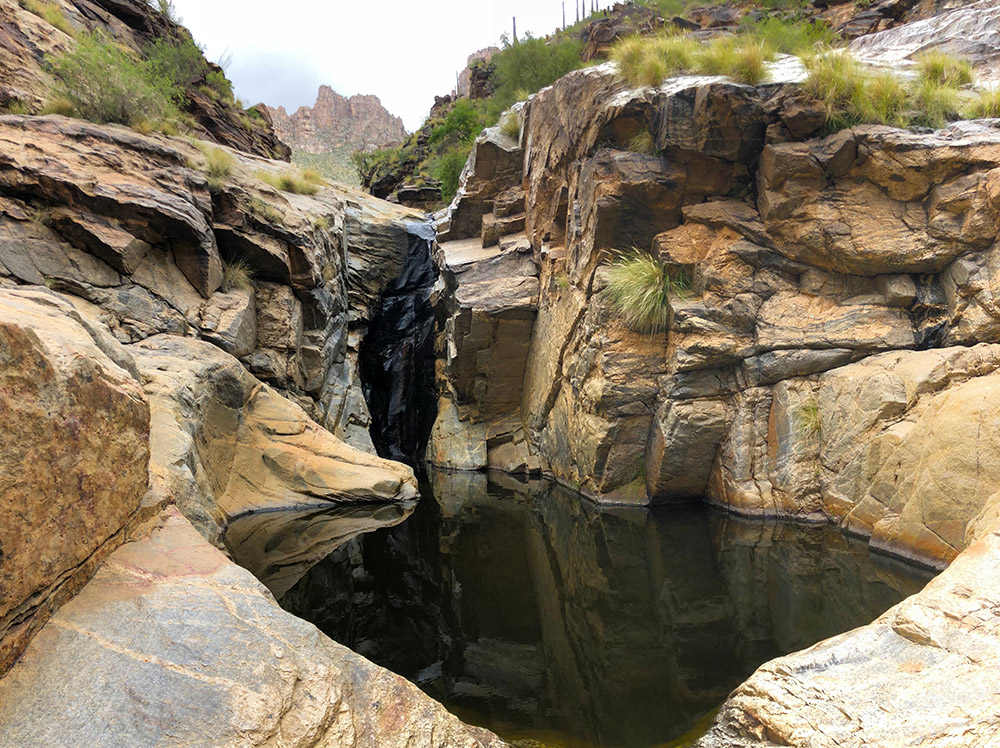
(73, 457)
(172, 639)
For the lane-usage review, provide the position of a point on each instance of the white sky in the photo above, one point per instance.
(403, 51)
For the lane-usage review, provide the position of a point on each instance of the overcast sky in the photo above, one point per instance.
(403, 51)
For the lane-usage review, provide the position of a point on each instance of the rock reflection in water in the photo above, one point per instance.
(532, 612)
(279, 548)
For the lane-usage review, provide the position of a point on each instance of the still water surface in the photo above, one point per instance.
(525, 609)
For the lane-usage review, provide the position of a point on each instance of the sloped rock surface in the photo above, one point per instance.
(73, 458)
(172, 639)
(225, 445)
(28, 41)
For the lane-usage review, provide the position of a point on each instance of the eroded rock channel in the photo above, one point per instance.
(545, 618)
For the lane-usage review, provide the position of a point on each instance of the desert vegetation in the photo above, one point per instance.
(639, 289)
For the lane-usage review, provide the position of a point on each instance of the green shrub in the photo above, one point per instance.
(180, 62)
(530, 65)
(789, 36)
(218, 82)
(51, 13)
(289, 182)
(464, 121)
(237, 276)
(447, 169)
(937, 67)
(639, 288)
(104, 82)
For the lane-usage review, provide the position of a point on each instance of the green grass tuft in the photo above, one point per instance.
(51, 13)
(937, 67)
(642, 142)
(639, 288)
(218, 166)
(511, 126)
(936, 104)
(237, 276)
(289, 182)
(985, 105)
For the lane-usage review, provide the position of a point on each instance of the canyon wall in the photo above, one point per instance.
(179, 352)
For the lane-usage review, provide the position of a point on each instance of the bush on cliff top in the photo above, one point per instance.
(106, 83)
(639, 288)
(520, 70)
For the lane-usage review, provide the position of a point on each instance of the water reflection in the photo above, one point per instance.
(532, 612)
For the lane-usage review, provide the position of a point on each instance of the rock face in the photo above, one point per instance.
(126, 223)
(834, 359)
(73, 461)
(225, 445)
(27, 39)
(214, 663)
(167, 305)
(336, 122)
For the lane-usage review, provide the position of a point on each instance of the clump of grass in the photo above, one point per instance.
(639, 288)
(16, 106)
(935, 66)
(289, 182)
(321, 223)
(219, 166)
(883, 99)
(511, 126)
(647, 61)
(750, 61)
(935, 104)
(806, 418)
(51, 13)
(237, 275)
(264, 211)
(986, 104)
(834, 78)
(642, 142)
(853, 95)
(104, 83)
(311, 176)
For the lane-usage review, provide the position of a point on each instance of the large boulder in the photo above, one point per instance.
(225, 445)
(74, 430)
(172, 639)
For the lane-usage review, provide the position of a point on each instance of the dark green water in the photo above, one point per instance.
(525, 609)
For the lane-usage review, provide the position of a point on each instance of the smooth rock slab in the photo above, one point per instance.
(172, 644)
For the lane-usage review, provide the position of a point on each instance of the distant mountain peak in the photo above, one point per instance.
(336, 122)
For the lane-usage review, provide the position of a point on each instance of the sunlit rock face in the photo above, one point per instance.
(809, 260)
(73, 459)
